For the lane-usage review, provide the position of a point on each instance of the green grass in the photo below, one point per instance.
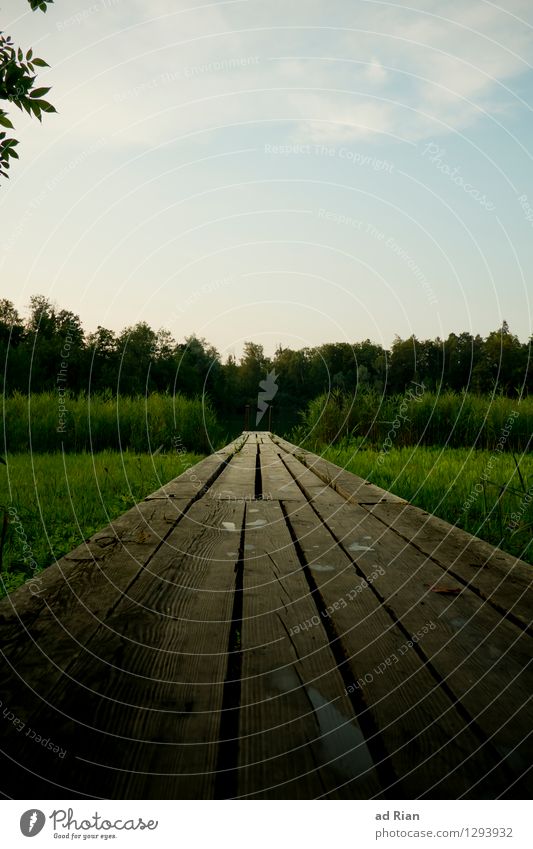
(38, 423)
(54, 501)
(449, 483)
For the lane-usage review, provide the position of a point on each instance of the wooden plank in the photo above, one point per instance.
(481, 658)
(493, 574)
(237, 481)
(90, 578)
(305, 478)
(193, 480)
(298, 736)
(352, 488)
(430, 746)
(140, 708)
(276, 482)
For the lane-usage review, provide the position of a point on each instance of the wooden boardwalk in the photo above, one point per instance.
(267, 625)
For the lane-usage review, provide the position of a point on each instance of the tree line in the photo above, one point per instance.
(49, 350)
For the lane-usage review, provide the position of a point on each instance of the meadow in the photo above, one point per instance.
(50, 503)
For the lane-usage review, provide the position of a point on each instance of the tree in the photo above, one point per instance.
(102, 360)
(17, 79)
(403, 366)
(505, 361)
(11, 326)
(136, 346)
(197, 368)
(11, 335)
(254, 366)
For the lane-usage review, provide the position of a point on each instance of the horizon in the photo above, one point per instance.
(271, 353)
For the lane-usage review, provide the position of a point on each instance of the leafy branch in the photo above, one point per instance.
(17, 79)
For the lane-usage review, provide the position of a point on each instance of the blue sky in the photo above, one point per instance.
(288, 172)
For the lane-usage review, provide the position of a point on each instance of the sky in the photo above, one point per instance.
(292, 172)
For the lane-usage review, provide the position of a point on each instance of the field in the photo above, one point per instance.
(52, 502)
(461, 485)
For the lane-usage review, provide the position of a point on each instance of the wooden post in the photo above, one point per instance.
(270, 418)
(247, 417)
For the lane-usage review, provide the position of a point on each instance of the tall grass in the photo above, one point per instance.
(37, 423)
(417, 418)
(53, 501)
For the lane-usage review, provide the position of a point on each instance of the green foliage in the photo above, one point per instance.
(445, 481)
(49, 350)
(417, 417)
(54, 502)
(17, 81)
(40, 4)
(100, 422)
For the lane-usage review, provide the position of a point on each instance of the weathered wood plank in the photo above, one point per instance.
(194, 479)
(483, 659)
(237, 481)
(299, 737)
(139, 708)
(305, 478)
(277, 484)
(495, 575)
(91, 577)
(352, 488)
(430, 746)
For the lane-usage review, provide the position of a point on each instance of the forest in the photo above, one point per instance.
(49, 351)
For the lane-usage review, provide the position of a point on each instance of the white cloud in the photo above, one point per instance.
(180, 68)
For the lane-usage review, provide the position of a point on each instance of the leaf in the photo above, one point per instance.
(29, 54)
(40, 92)
(5, 122)
(45, 106)
(35, 108)
(41, 63)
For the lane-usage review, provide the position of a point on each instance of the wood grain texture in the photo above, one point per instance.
(277, 482)
(496, 576)
(432, 751)
(237, 481)
(139, 709)
(483, 659)
(351, 487)
(299, 737)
